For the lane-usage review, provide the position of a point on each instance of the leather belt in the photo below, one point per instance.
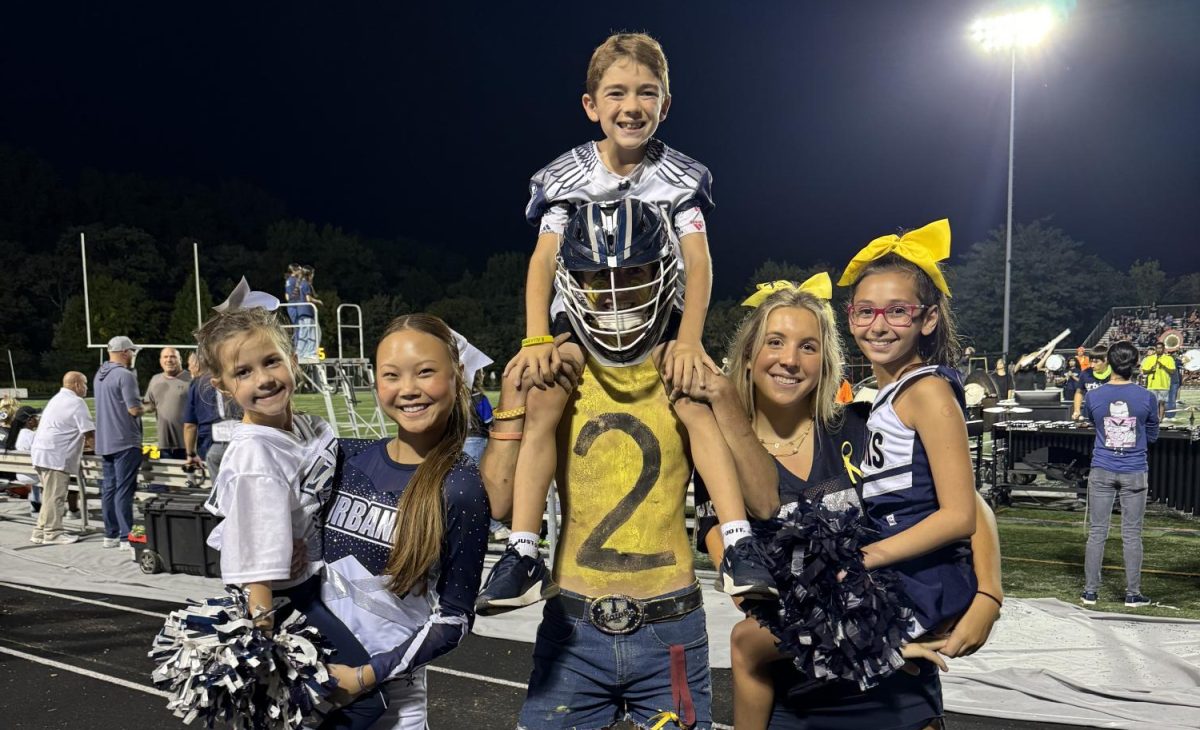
(617, 614)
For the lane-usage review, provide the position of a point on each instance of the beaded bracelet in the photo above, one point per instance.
(510, 414)
(539, 340)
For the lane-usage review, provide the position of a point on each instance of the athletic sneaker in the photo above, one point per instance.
(744, 571)
(501, 534)
(1088, 598)
(1136, 600)
(36, 539)
(62, 539)
(75, 514)
(112, 542)
(515, 581)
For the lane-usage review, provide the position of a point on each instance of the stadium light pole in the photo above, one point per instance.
(1010, 32)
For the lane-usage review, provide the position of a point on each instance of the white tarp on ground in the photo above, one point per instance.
(1047, 660)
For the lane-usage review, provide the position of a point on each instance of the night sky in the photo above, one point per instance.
(825, 124)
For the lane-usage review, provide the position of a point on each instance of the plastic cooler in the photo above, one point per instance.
(176, 529)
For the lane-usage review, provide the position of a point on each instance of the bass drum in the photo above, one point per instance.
(981, 381)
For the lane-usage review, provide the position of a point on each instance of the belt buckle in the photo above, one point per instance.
(616, 614)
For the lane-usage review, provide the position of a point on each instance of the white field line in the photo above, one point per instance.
(85, 672)
(151, 690)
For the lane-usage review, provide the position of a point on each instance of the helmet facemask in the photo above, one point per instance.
(620, 312)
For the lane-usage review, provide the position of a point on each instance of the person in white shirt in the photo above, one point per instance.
(66, 428)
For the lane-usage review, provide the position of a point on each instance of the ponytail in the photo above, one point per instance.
(421, 511)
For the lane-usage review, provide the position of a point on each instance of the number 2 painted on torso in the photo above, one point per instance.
(592, 553)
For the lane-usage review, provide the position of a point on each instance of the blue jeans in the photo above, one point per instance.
(1172, 396)
(1105, 487)
(583, 678)
(116, 491)
(306, 337)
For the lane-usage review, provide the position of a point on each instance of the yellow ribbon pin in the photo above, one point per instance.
(847, 461)
(819, 285)
(923, 247)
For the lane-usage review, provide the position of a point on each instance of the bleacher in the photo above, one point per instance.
(1144, 326)
(156, 476)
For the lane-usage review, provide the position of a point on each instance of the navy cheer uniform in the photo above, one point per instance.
(401, 634)
(900, 701)
(898, 491)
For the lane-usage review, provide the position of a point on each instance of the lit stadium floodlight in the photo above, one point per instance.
(1010, 32)
(1013, 30)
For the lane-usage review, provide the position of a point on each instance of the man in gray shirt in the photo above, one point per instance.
(166, 397)
(118, 439)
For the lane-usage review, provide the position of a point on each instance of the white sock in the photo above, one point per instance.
(734, 531)
(526, 543)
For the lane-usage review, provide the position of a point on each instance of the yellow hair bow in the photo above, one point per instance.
(819, 285)
(923, 247)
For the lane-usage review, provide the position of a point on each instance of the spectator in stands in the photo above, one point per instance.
(1126, 419)
(1157, 367)
(166, 397)
(1091, 379)
(208, 421)
(23, 425)
(1003, 381)
(291, 292)
(118, 439)
(306, 322)
(66, 429)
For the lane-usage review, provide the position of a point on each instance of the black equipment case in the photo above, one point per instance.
(176, 529)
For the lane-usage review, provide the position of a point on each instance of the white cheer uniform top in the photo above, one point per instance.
(270, 490)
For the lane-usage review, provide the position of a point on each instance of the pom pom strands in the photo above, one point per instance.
(850, 630)
(219, 667)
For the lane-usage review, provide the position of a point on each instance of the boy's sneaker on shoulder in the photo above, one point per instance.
(1088, 598)
(516, 580)
(744, 571)
(1136, 600)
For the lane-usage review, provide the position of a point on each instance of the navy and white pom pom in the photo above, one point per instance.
(218, 666)
(851, 629)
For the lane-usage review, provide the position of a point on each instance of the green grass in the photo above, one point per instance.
(1043, 550)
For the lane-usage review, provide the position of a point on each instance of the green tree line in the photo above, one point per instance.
(140, 233)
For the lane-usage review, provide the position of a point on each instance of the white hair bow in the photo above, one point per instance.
(243, 297)
(472, 358)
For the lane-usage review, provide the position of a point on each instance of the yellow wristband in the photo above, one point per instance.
(510, 414)
(505, 435)
(539, 340)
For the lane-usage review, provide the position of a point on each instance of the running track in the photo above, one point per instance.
(76, 660)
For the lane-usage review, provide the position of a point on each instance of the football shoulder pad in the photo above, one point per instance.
(567, 173)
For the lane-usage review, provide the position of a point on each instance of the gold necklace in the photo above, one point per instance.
(795, 443)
